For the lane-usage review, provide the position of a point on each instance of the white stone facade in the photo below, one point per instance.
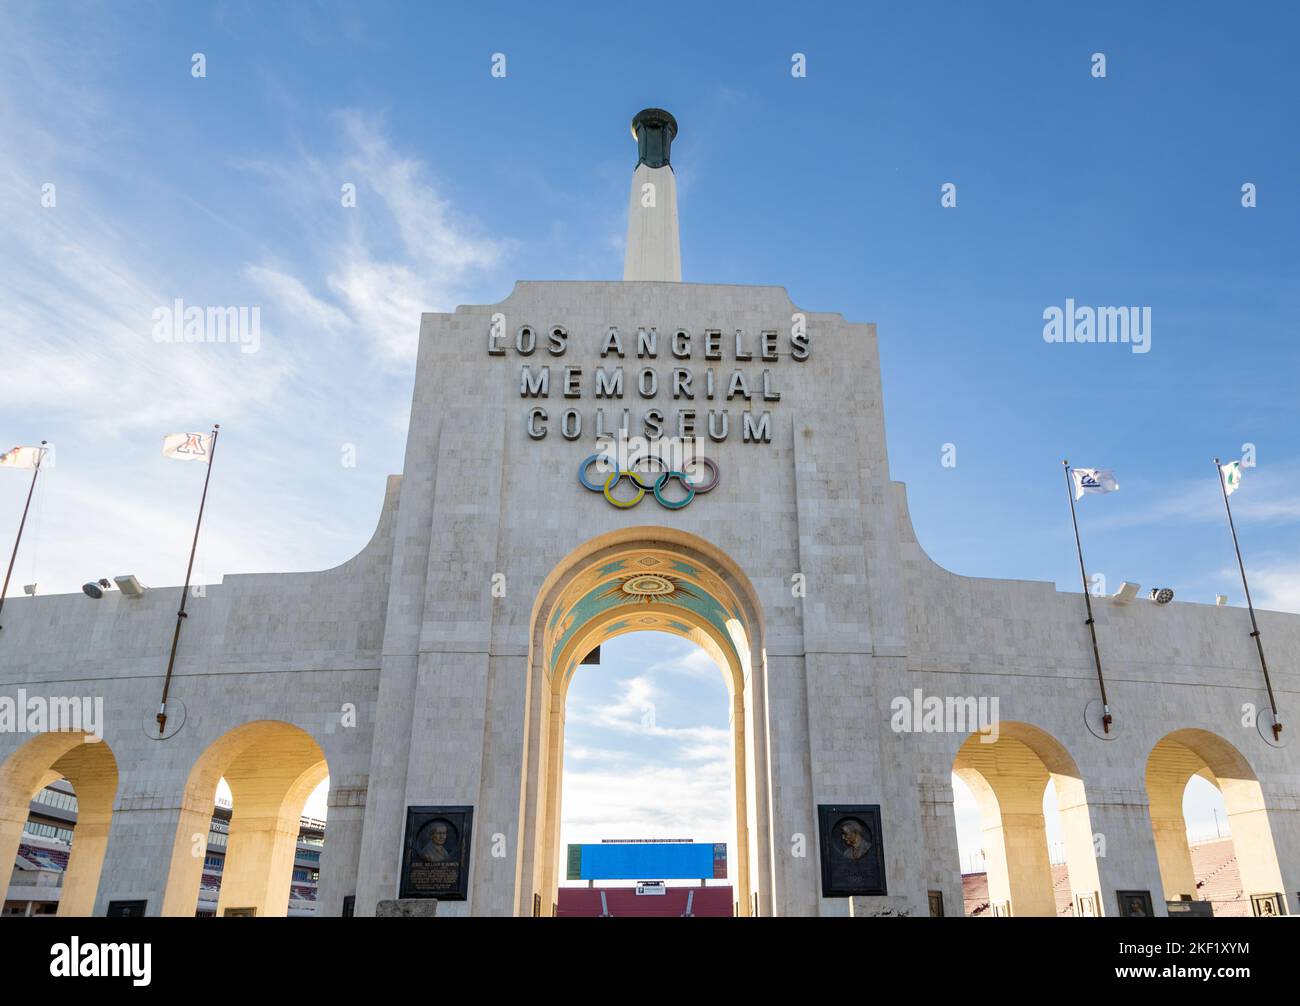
(436, 635)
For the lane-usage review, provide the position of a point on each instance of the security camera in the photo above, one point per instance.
(1162, 595)
(95, 589)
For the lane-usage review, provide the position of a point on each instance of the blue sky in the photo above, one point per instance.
(226, 190)
(647, 746)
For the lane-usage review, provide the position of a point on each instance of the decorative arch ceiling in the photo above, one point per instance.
(645, 589)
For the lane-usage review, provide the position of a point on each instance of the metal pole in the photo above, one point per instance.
(1254, 627)
(4, 591)
(1106, 718)
(185, 591)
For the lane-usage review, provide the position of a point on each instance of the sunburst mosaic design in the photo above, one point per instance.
(634, 580)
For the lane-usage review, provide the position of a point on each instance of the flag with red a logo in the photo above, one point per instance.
(188, 446)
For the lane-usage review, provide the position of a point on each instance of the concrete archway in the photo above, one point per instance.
(89, 765)
(1173, 761)
(643, 579)
(272, 768)
(1008, 778)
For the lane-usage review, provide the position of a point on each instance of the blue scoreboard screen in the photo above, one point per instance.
(648, 861)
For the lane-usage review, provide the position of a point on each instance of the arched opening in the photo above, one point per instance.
(271, 768)
(648, 783)
(305, 884)
(637, 580)
(1008, 774)
(91, 770)
(1174, 762)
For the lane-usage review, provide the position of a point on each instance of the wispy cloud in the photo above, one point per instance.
(1276, 588)
(636, 711)
(340, 293)
(1269, 495)
(694, 663)
(648, 753)
(649, 801)
(401, 250)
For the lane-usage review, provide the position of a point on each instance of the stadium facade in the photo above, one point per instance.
(427, 675)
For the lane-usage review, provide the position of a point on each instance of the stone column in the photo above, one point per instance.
(1174, 857)
(259, 862)
(85, 862)
(1025, 872)
(653, 249)
(942, 866)
(155, 850)
(340, 858)
(1126, 849)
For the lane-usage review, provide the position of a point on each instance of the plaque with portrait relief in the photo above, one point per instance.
(852, 850)
(435, 855)
(1267, 906)
(1134, 904)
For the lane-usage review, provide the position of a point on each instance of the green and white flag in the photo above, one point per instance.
(1231, 476)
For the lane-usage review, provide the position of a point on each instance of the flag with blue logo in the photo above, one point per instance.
(1093, 480)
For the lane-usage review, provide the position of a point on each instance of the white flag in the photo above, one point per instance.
(1093, 480)
(20, 457)
(187, 446)
(1231, 476)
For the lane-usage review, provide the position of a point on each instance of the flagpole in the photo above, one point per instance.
(1254, 627)
(1106, 718)
(4, 591)
(185, 591)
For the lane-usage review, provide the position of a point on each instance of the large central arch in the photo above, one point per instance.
(634, 580)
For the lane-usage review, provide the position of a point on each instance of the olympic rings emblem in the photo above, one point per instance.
(646, 481)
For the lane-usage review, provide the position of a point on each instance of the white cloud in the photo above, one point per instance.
(297, 300)
(693, 663)
(645, 755)
(1267, 495)
(649, 802)
(402, 250)
(1276, 588)
(340, 291)
(636, 712)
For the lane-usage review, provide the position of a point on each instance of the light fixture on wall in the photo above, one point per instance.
(95, 589)
(1127, 591)
(130, 586)
(29, 589)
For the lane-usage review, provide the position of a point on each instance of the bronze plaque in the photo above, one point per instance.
(435, 855)
(852, 850)
(1134, 904)
(1267, 906)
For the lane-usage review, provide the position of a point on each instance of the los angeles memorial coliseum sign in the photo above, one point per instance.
(676, 374)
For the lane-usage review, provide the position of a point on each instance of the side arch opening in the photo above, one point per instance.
(271, 768)
(1174, 761)
(87, 763)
